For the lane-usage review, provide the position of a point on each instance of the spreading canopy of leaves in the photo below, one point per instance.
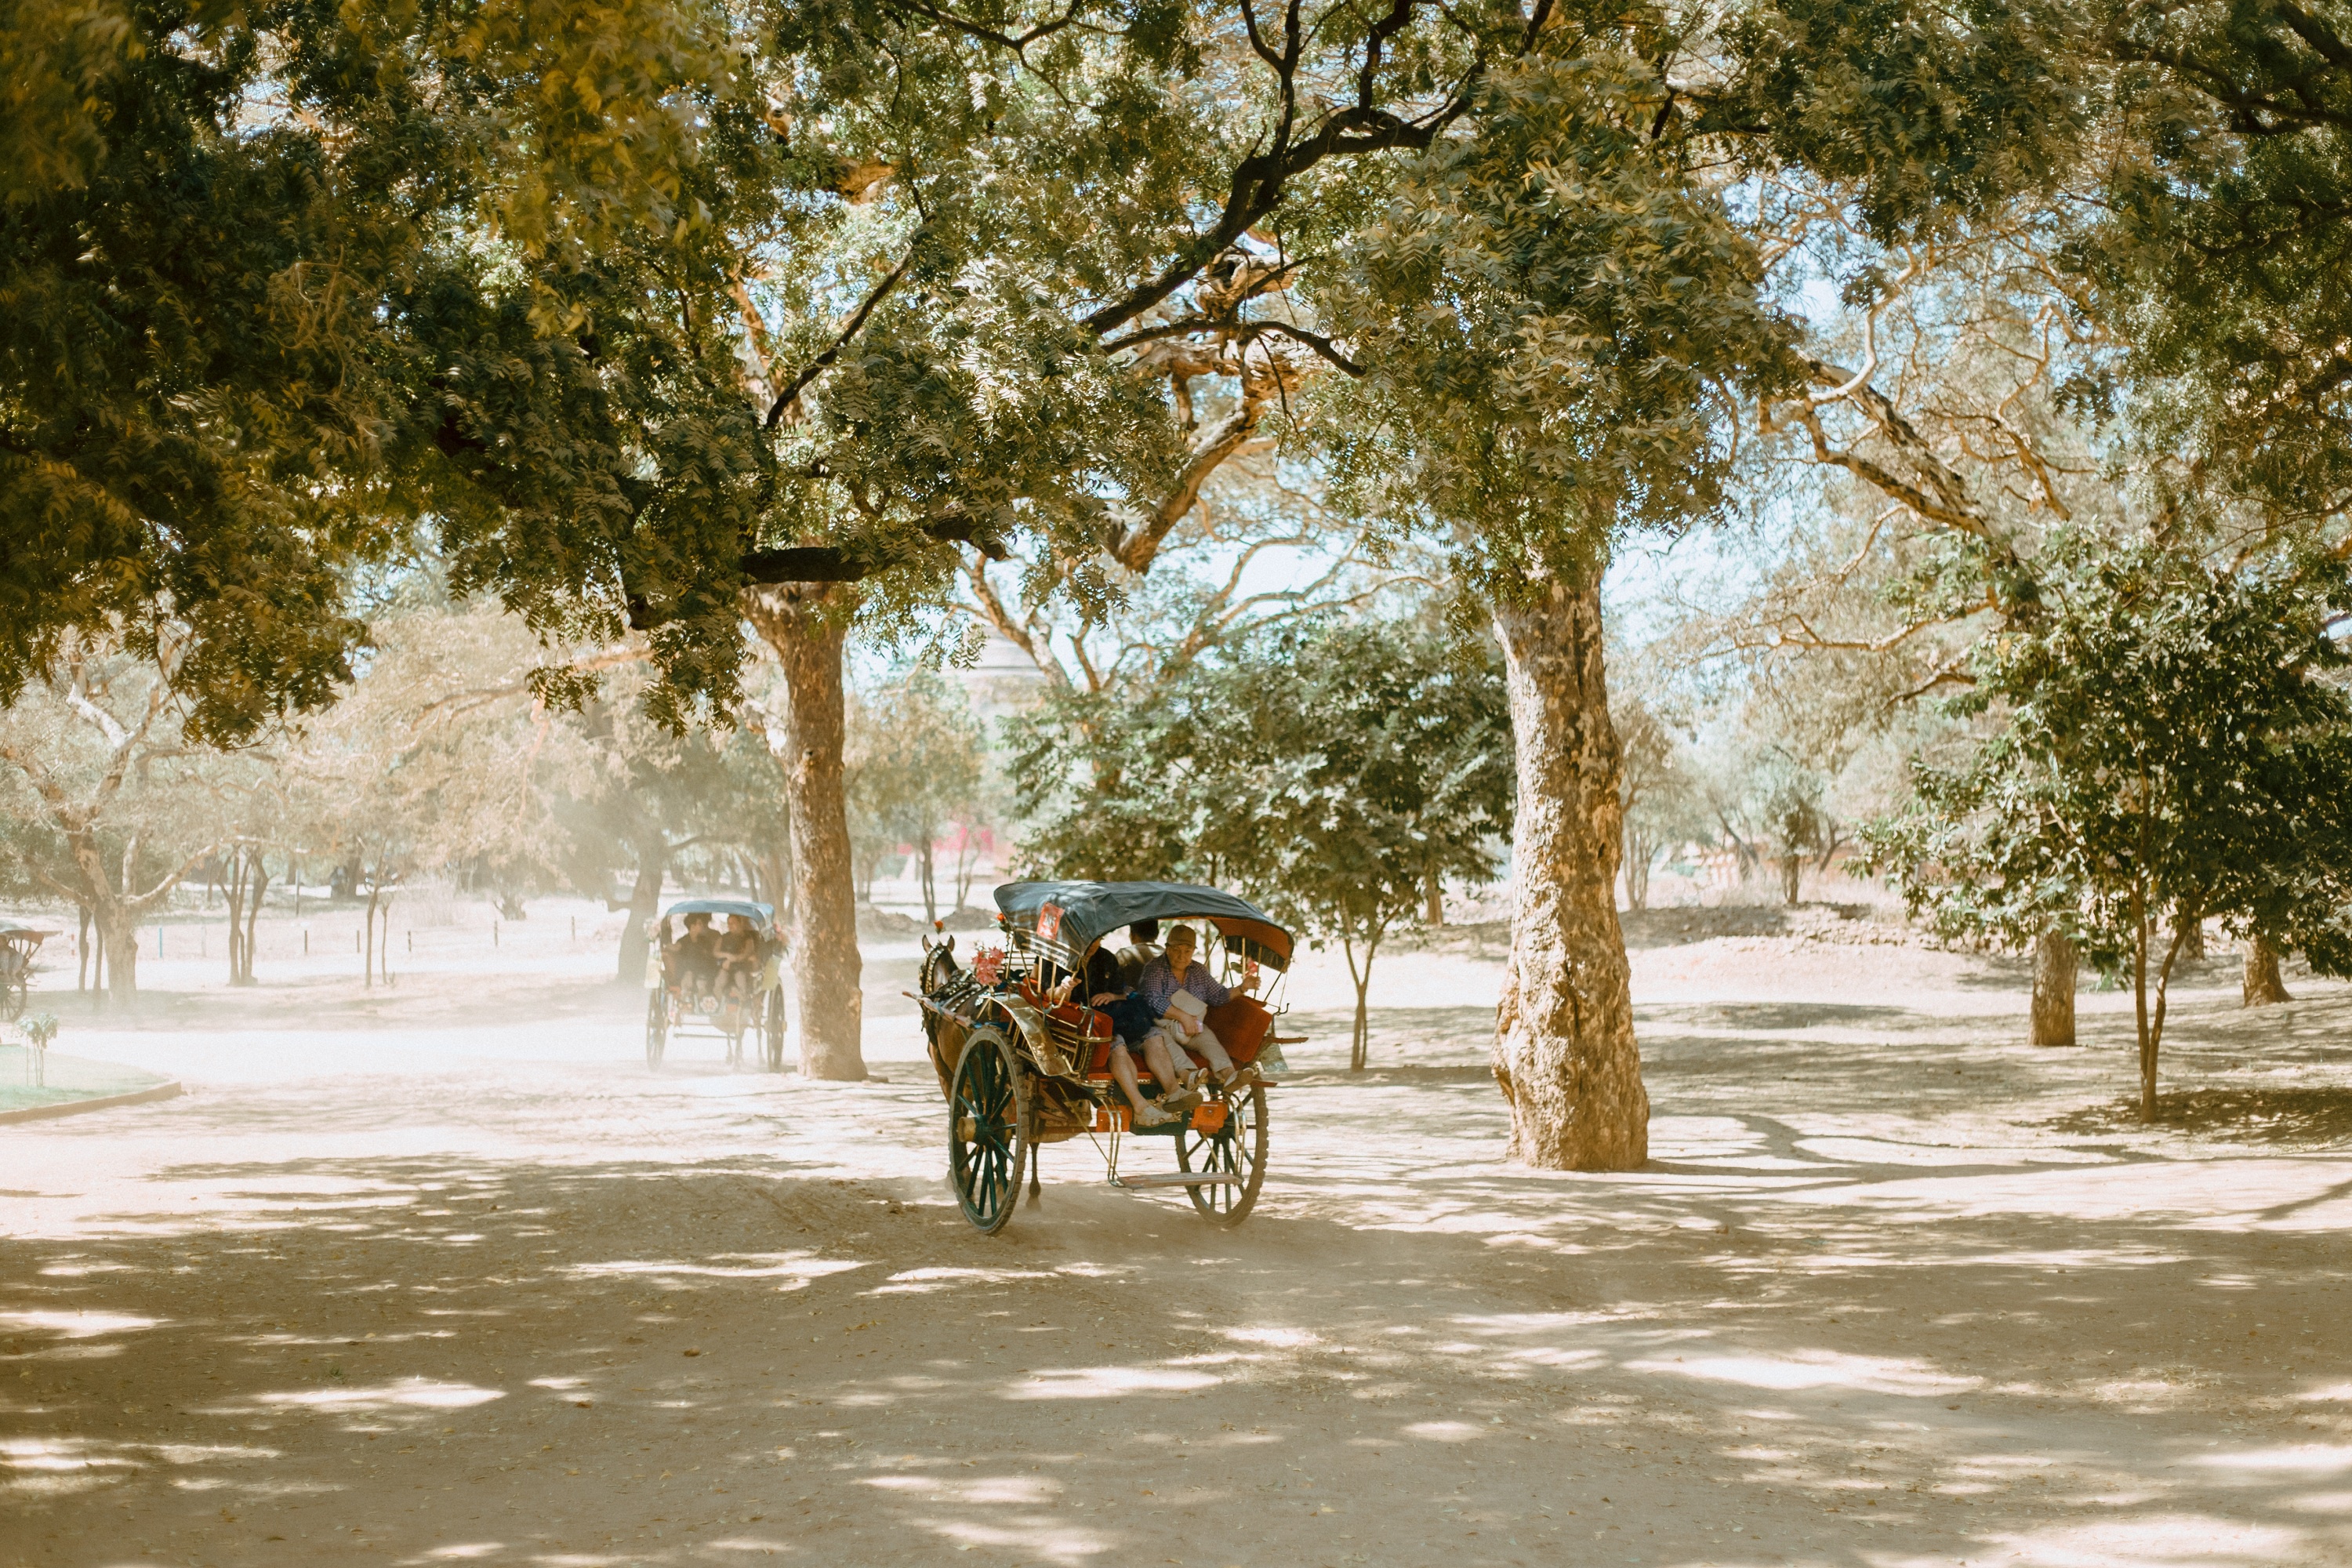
(275, 279)
(1326, 772)
(2160, 735)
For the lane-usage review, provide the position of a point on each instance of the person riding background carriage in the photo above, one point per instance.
(1026, 1058)
(715, 983)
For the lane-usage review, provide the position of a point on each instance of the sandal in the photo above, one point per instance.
(1181, 1103)
(1151, 1115)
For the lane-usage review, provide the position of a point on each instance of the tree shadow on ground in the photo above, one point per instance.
(2317, 1118)
(499, 1360)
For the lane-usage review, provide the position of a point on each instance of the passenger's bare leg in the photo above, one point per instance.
(1122, 1071)
(1162, 1059)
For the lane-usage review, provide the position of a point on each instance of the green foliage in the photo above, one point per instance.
(1552, 309)
(913, 763)
(1928, 116)
(2220, 252)
(2164, 740)
(267, 272)
(1329, 771)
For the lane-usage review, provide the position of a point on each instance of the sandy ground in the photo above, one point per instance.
(439, 1273)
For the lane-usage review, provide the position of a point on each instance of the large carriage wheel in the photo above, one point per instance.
(1237, 1149)
(988, 1116)
(775, 1028)
(14, 993)
(656, 1025)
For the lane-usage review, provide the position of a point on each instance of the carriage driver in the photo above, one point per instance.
(1174, 971)
(693, 959)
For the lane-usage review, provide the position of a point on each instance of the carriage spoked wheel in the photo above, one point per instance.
(656, 1025)
(774, 1030)
(988, 1114)
(13, 994)
(1237, 1149)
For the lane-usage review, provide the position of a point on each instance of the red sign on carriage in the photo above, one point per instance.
(1049, 922)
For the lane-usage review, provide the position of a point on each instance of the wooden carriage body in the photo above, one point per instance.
(1016, 1002)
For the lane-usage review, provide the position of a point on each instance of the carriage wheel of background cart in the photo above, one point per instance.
(656, 1025)
(988, 1111)
(13, 994)
(775, 1028)
(1238, 1150)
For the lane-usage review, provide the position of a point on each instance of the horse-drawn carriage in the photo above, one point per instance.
(689, 999)
(1025, 1061)
(18, 945)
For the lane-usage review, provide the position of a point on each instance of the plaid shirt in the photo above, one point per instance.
(1159, 985)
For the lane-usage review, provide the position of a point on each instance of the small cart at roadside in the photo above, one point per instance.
(18, 945)
(1024, 1062)
(685, 1001)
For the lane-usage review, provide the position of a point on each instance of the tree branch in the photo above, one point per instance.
(790, 397)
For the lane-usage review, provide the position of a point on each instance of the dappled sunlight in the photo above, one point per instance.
(412, 1393)
(1814, 1369)
(1108, 1383)
(2170, 1540)
(797, 1268)
(77, 1325)
(1862, 1311)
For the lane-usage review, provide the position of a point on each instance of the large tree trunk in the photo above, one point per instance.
(643, 906)
(2057, 966)
(118, 946)
(827, 1006)
(1564, 1048)
(2263, 984)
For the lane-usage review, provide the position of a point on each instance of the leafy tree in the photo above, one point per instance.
(94, 752)
(1546, 308)
(2167, 741)
(914, 764)
(1658, 795)
(1331, 770)
(282, 278)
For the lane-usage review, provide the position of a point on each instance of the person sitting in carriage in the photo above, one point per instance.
(739, 955)
(1135, 1028)
(691, 963)
(1174, 974)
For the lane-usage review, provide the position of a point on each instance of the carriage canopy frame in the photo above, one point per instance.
(764, 916)
(1082, 913)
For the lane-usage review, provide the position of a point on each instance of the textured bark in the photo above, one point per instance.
(2057, 965)
(2263, 984)
(821, 939)
(643, 906)
(1564, 1049)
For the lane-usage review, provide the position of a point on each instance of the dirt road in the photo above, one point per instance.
(465, 1284)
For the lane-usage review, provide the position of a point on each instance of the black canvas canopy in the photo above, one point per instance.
(1081, 914)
